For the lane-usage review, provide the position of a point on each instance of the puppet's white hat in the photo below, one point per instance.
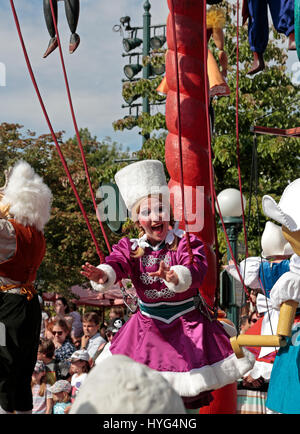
(138, 180)
(273, 242)
(287, 211)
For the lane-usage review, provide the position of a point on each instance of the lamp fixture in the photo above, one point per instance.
(132, 69)
(157, 42)
(131, 43)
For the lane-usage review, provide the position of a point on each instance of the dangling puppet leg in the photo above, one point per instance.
(258, 33)
(50, 25)
(284, 22)
(72, 14)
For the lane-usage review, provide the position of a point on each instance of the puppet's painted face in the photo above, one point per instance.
(154, 218)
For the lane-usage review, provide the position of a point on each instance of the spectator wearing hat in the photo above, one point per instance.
(91, 339)
(61, 391)
(41, 396)
(80, 368)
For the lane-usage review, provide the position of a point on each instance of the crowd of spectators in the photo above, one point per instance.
(70, 344)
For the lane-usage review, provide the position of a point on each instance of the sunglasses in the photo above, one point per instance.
(57, 333)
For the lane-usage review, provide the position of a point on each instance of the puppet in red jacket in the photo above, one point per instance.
(25, 203)
(256, 11)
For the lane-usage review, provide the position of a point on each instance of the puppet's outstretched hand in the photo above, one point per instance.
(94, 273)
(165, 273)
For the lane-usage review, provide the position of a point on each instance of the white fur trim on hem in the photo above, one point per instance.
(184, 279)
(111, 278)
(211, 377)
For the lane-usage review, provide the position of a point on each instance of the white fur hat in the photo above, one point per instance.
(28, 196)
(273, 242)
(287, 211)
(119, 385)
(137, 180)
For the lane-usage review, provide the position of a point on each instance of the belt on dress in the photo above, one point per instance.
(21, 288)
(167, 311)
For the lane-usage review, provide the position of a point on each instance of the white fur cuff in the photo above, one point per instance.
(111, 278)
(184, 279)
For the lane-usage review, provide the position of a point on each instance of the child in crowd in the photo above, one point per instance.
(80, 368)
(91, 338)
(102, 330)
(116, 312)
(61, 391)
(45, 354)
(170, 333)
(112, 329)
(41, 397)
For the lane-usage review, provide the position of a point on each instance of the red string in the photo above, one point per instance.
(208, 127)
(76, 127)
(179, 131)
(100, 254)
(237, 127)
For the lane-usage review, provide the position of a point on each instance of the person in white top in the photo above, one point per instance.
(91, 339)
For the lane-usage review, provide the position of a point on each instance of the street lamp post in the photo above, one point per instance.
(130, 45)
(146, 48)
(231, 210)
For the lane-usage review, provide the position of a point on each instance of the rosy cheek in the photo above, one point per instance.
(143, 221)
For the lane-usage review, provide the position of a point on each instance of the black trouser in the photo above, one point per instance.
(21, 320)
(72, 14)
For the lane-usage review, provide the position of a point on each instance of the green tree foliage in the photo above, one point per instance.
(267, 99)
(69, 242)
(269, 95)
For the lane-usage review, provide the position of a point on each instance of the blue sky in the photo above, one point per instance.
(95, 70)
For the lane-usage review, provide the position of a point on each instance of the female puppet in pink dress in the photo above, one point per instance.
(171, 332)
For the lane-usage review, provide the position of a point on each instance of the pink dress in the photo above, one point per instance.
(169, 333)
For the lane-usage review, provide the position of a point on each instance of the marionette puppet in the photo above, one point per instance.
(25, 203)
(262, 273)
(284, 386)
(215, 21)
(171, 332)
(72, 13)
(256, 11)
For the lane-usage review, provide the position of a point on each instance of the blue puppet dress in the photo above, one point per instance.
(284, 386)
